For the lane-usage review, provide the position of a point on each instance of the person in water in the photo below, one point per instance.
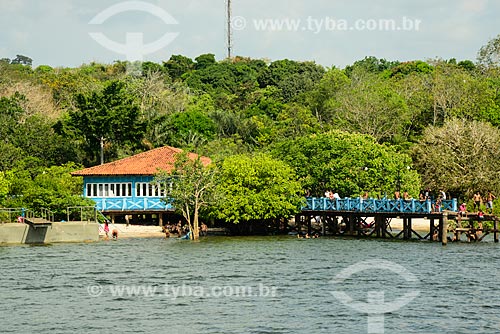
(166, 231)
(114, 234)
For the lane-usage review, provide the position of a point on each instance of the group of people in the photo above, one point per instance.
(478, 199)
(332, 195)
(182, 229)
(307, 236)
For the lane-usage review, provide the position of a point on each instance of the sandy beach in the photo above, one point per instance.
(419, 225)
(138, 231)
(134, 231)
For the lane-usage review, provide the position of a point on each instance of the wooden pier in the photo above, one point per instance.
(372, 218)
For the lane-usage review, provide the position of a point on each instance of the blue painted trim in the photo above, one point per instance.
(376, 205)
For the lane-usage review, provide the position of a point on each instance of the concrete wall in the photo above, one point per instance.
(16, 233)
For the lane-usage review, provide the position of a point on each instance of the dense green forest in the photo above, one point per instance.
(373, 126)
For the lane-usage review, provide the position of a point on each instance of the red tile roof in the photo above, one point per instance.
(146, 163)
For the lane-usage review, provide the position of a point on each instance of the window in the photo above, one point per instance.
(143, 189)
(109, 189)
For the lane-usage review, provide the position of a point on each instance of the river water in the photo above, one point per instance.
(204, 287)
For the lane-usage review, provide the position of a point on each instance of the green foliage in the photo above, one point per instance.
(4, 186)
(369, 104)
(51, 188)
(257, 188)
(150, 67)
(190, 128)
(291, 77)
(111, 116)
(178, 65)
(49, 116)
(31, 135)
(205, 61)
(22, 60)
(489, 54)
(371, 64)
(460, 157)
(411, 67)
(349, 164)
(323, 99)
(193, 188)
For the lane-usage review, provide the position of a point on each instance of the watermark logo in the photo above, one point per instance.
(174, 292)
(134, 48)
(316, 25)
(375, 306)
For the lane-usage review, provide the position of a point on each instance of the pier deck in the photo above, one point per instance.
(372, 218)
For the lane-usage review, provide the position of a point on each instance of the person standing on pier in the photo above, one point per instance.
(489, 204)
(477, 201)
(442, 194)
(463, 210)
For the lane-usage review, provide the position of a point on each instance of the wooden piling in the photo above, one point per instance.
(410, 227)
(431, 229)
(323, 225)
(444, 229)
(298, 226)
(495, 228)
(405, 228)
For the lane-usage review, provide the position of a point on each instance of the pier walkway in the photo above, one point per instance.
(359, 217)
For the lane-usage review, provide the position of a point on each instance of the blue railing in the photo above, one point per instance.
(131, 204)
(377, 205)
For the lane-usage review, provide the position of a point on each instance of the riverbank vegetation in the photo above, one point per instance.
(374, 126)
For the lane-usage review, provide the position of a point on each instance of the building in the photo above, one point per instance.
(125, 190)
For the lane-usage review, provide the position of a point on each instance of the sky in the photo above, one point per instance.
(329, 32)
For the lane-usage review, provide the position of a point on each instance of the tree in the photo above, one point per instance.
(291, 77)
(110, 116)
(461, 157)
(22, 60)
(372, 64)
(489, 54)
(178, 65)
(459, 94)
(370, 105)
(190, 128)
(349, 164)
(323, 99)
(204, 61)
(193, 188)
(257, 188)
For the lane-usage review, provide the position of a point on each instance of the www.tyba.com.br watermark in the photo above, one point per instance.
(182, 291)
(316, 25)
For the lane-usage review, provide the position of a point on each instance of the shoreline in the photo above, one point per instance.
(146, 231)
(133, 231)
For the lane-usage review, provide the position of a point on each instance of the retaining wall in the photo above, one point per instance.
(15, 233)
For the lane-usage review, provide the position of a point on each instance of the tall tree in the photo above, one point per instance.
(107, 119)
(23, 60)
(193, 188)
(371, 106)
(349, 164)
(461, 157)
(489, 54)
(257, 188)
